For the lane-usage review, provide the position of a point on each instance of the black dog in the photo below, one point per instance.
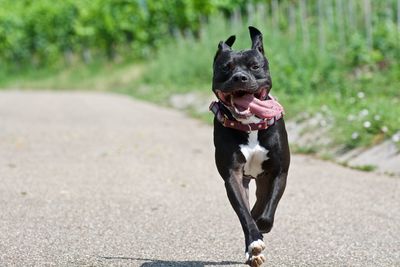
(250, 138)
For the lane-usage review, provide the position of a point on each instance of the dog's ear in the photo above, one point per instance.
(256, 39)
(225, 46)
(230, 40)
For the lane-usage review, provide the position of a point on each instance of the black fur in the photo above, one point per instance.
(253, 69)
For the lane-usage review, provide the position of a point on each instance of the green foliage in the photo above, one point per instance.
(42, 33)
(306, 150)
(338, 61)
(364, 168)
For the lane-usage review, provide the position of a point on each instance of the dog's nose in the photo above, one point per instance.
(240, 77)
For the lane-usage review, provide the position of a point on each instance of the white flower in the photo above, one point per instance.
(384, 129)
(377, 117)
(367, 124)
(351, 117)
(364, 112)
(396, 137)
(360, 95)
(354, 135)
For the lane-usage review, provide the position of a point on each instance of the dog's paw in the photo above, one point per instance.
(256, 247)
(257, 261)
(254, 258)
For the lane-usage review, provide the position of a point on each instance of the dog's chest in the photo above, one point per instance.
(255, 155)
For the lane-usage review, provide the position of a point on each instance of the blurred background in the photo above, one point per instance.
(334, 63)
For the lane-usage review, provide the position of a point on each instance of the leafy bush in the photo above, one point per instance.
(43, 32)
(325, 59)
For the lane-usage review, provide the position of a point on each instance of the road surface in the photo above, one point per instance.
(94, 179)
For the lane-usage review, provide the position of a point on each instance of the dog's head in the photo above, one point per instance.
(240, 73)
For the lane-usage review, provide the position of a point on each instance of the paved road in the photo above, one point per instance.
(90, 179)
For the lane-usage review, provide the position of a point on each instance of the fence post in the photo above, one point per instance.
(368, 22)
(275, 15)
(250, 12)
(321, 33)
(292, 21)
(340, 21)
(351, 16)
(329, 14)
(398, 28)
(304, 28)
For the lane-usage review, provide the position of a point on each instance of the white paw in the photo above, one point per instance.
(256, 261)
(256, 247)
(254, 257)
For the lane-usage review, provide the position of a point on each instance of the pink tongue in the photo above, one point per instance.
(263, 109)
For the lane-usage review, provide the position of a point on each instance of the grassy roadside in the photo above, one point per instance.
(322, 70)
(100, 76)
(343, 117)
(344, 76)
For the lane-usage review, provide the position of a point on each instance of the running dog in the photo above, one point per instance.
(250, 138)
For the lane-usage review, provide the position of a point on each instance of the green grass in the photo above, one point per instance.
(346, 84)
(306, 150)
(100, 76)
(364, 168)
(351, 86)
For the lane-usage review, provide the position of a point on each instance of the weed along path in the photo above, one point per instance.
(93, 179)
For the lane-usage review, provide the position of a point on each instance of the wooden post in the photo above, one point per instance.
(340, 21)
(398, 27)
(275, 15)
(304, 26)
(321, 28)
(368, 23)
(351, 16)
(292, 22)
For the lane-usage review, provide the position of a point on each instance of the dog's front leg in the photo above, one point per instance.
(269, 192)
(237, 190)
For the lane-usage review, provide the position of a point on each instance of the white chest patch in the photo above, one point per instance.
(255, 155)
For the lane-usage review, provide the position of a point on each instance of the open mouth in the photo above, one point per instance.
(242, 102)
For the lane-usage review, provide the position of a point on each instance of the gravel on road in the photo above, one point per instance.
(95, 179)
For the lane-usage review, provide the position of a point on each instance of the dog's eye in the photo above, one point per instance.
(255, 67)
(227, 67)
